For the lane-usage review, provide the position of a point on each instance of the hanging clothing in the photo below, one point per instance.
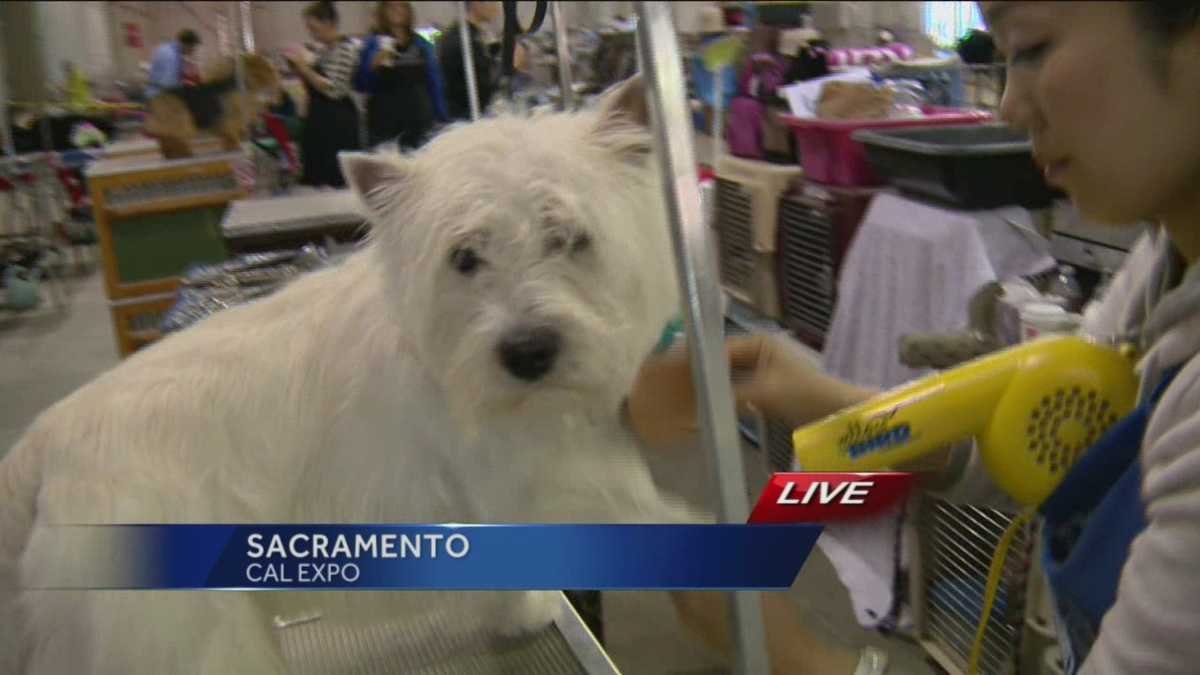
(332, 123)
(405, 99)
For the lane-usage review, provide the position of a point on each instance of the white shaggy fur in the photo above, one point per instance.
(366, 393)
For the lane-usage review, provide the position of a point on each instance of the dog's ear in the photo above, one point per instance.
(624, 121)
(379, 180)
(625, 102)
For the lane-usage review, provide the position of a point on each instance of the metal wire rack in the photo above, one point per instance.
(957, 543)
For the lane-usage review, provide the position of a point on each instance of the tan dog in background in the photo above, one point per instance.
(216, 105)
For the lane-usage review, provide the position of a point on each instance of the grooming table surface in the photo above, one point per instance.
(137, 164)
(148, 147)
(130, 147)
(436, 645)
(297, 213)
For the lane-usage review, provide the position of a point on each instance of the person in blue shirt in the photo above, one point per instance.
(167, 65)
(399, 72)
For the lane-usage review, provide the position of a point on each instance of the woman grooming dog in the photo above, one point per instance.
(1109, 93)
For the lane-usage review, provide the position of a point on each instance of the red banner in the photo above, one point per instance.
(829, 497)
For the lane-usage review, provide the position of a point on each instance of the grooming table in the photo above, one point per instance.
(293, 221)
(156, 218)
(434, 644)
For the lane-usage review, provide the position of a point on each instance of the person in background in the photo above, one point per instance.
(761, 76)
(332, 122)
(810, 62)
(487, 71)
(710, 85)
(1121, 534)
(399, 72)
(170, 62)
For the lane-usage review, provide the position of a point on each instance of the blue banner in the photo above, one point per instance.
(436, 557)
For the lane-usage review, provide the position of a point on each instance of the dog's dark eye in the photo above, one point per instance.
(465, 260)
(582, 242)
(555, 243)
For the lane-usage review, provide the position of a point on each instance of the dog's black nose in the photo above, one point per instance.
(529, 353)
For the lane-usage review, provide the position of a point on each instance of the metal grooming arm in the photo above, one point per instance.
(699, 282)
(6, 141)
(245, 45)
(468, 60)
(566, 93)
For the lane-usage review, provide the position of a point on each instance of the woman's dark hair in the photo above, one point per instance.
(381, 24)
(322, 11)
(810, 62)
(1167, 19)
(188, 37)
(977, 47)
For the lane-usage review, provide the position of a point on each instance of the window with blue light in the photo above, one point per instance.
(946, 22)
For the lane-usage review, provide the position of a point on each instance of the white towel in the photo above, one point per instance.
(912, 268)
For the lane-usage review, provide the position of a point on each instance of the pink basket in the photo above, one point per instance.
(828, 154)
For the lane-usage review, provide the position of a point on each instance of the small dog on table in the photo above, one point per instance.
(175, 117)
(467, 365)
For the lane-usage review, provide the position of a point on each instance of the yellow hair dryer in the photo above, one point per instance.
(1032, 409)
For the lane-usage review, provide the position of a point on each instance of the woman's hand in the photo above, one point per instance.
(770, 375)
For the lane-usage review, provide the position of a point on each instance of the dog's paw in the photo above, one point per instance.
(529, 612)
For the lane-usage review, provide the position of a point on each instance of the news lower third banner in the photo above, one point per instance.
(765, 553)
(436, 557)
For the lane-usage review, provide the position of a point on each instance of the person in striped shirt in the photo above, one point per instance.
(332, 122)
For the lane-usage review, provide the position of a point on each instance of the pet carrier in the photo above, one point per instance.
(747, 214)
(816, 227)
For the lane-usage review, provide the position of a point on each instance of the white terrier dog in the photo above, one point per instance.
(466, 366)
